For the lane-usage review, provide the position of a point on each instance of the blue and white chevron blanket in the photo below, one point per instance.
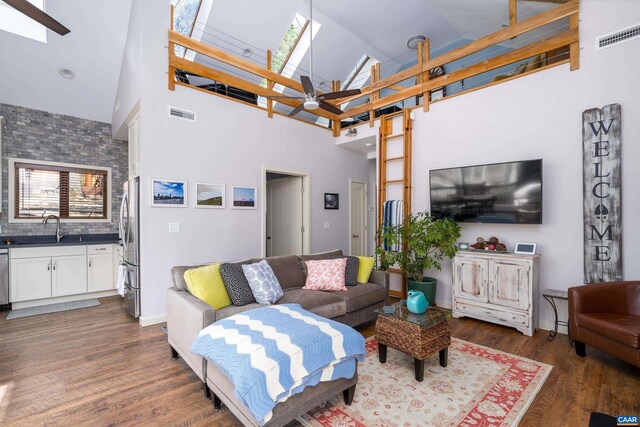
(271, 353)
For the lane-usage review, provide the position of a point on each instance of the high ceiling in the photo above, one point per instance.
(93, 51)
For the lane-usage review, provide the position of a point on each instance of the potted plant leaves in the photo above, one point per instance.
(428, 240)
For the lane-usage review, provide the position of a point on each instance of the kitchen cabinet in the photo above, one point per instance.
(39, 275)
(497, 287)
(100, 268)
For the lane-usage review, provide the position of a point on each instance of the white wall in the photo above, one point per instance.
(129, 83)
(228, 144)
(540, 116)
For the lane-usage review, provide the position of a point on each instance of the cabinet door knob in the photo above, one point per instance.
(54, 265)
(48, 266)
(89, 262)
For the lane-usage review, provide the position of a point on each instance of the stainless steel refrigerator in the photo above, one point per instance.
(130, 235)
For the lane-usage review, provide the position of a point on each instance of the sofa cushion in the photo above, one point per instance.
(361, 296)
(288, 270)
(325, 304)
(236, 284)
(351, 272)
(326, 275)
(336, 253)
(206, 284)
(365, 268)
(263, 283)
(624, 328)
(223, 313)
(177, 274)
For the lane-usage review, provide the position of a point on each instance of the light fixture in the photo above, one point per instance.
(414, 41)
(67, 73)
(322, 84)
(247, 53)
(369, 144)
(352, 132)
(311, 103)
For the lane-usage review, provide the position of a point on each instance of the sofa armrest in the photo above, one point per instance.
(381, 278)
(186, 317)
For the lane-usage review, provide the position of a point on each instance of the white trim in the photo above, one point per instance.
(195, 196)
(152, 320)
(185, 192)
(306, 208)
(365, 215)
(13, 219)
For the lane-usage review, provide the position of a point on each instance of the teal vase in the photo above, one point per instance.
(416, 302)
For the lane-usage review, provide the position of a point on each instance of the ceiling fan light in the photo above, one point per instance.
(311, 104)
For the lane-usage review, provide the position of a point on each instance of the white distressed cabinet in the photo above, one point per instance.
(497, 287)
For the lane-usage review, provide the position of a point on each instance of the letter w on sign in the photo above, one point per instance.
(602, 193)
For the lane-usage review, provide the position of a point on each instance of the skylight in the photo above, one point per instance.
(289, 42)
(17, 23)
(185, 13)
(360, 74)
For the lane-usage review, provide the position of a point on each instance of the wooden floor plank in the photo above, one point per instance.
(97, 366)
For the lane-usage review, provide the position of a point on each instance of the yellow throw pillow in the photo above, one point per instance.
(365, 268)
(205, 283)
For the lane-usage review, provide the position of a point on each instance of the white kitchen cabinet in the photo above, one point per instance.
(30, 278)
(68, 275)
(39, 275)
(100, 269)
(497, 287)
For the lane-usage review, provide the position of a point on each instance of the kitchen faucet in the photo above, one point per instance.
(59, 235)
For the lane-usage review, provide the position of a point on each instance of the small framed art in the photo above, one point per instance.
(244, 197)
(168, 193)
(211, 196)
(331, 201)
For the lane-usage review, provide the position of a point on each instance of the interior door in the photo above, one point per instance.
(284, 216)
(358, 218)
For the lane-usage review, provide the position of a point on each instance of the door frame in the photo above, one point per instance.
(306, 208)
(365, 215)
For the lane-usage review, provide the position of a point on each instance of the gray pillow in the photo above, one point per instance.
(235, 283)
(263, 283)
(351, 271)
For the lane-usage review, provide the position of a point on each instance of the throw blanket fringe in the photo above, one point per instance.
(272, 353)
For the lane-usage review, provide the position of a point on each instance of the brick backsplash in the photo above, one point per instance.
(39, 135)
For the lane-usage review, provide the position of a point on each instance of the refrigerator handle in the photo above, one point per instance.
(123, 206)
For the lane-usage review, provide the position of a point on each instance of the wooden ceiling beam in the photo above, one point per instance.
(500, 36)
(511, 57)
(219, 76)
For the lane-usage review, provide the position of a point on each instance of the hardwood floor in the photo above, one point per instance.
(97, 366)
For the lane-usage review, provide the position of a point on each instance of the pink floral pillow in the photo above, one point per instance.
(326, 275)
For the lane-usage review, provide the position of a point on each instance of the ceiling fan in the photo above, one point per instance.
(313, 100)
(25, 7)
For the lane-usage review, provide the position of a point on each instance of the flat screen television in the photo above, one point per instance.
(496, 193)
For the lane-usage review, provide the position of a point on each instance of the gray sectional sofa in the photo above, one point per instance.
(187, 315)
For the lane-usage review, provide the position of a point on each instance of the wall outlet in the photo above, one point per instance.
(174, 227)
(326, 225)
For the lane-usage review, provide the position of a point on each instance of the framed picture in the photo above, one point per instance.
(168, 193)
(211, 196)
(331, 201)
(244, 197)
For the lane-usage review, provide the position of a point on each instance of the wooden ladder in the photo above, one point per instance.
(394, 173)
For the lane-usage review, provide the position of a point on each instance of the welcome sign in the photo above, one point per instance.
(602, 189)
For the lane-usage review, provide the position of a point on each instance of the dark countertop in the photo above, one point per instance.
(50, 240)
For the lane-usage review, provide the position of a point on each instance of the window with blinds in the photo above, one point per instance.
(68, 192)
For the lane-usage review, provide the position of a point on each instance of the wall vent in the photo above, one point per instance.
(182, 114)
(621, 36)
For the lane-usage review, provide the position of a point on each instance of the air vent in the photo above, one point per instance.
(182, 114)
(612, 39)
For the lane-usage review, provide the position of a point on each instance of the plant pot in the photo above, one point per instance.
(427, 287)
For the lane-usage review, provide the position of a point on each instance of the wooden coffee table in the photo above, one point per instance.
(418, 335)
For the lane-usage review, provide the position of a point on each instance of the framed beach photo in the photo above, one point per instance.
(244, 197)
(331, 201)
(168, 193)
(211, 196)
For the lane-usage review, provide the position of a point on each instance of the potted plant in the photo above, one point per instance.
(427, 241)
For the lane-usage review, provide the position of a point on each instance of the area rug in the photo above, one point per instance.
(52, 308)
(479, 387)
